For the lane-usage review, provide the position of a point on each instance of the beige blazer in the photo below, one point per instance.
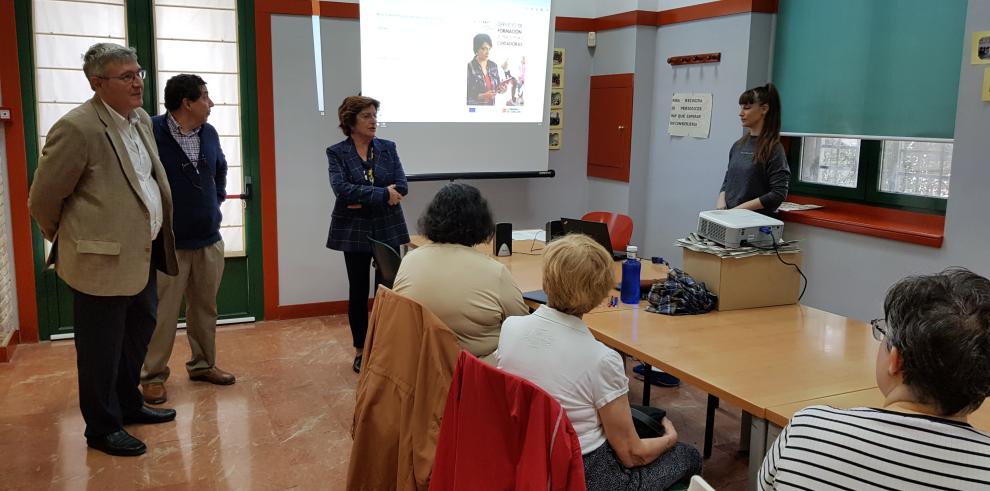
(86, 199)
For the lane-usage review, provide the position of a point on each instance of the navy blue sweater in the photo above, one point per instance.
(196, 196)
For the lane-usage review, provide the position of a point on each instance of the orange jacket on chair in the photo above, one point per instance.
(407, 365)
(503, 432)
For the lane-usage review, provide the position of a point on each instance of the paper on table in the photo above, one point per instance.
(529, 234)
(788, 206)
(698, 244)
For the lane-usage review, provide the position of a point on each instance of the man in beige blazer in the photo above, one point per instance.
(101, 196)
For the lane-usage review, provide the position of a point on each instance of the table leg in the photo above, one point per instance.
(647, 383)
(757, 450)
(773, 431)
(710, 424)
(744, 424)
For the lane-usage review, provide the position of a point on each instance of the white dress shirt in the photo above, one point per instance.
(151, 195)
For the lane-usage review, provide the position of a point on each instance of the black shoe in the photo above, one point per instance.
(357, 364)
(149, 416)
(118, 443)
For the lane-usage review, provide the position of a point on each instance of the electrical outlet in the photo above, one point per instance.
(4, 114)
(592, 39)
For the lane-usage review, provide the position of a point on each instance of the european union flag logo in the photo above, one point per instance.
(471, 109)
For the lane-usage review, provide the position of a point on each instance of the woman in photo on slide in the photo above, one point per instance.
(367, 178)
(483, 80)
(758, 175)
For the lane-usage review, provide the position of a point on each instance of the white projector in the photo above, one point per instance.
(732, 228)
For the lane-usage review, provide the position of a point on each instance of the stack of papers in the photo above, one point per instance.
(530, 234)
(788, 206)
(698, 244)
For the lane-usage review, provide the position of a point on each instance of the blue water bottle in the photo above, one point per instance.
(630, 277)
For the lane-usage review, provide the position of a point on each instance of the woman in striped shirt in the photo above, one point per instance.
(933, 368)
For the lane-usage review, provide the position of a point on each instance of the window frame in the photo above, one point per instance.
(867, 190)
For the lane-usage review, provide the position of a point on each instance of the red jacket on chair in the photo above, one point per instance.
(500, 431)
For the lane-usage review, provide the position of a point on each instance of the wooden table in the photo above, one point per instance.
(526, 263)
(754, 358)
(780, 415)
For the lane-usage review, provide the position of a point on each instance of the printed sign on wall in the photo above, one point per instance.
(690, 115)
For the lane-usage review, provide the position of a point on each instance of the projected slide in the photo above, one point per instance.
(455, 60)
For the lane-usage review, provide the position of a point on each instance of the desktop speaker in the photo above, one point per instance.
(503, 239)
(554, 230)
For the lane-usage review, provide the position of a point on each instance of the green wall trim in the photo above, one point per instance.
(249, 151)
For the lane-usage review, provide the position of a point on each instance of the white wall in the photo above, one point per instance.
(308, 272)
(685, 173)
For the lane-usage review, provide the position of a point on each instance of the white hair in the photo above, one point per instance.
(100, 54)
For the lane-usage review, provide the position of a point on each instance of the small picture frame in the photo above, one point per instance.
(981, 48)
(556, 119)
(556, 98)
(556, 139)
(558, 57)
(557, 78)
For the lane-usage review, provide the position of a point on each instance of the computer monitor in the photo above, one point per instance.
(598, 231)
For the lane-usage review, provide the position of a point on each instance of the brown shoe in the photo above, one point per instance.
(214, 376)
(154, 393)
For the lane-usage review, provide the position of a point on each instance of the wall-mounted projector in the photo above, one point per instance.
(734, 228)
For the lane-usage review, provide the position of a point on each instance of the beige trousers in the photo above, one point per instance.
(200, 272)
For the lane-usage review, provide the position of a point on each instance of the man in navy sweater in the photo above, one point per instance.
(190, 151)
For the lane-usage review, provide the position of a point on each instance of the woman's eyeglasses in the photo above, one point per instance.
(879, 328)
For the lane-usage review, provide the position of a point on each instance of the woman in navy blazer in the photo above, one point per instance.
(367, 178)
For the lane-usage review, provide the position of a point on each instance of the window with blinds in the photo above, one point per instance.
(868, 126)
(63, 30)
(200, 37)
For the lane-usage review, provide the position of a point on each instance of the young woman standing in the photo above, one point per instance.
(758, 175)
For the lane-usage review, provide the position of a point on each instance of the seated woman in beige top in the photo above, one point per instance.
(468, 290)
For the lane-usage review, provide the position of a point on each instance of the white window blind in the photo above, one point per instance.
(8, 288)
(63, 31)
(200, 37)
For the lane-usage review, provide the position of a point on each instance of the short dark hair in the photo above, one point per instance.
(458, 214)
(941, 325)
(480, 40)
(349, 109)
(182, 86)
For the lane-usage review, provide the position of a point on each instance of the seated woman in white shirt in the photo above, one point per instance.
(554, 349)
(469, 291)
(933, 369)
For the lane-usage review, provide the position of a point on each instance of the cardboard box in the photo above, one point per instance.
(756, 281)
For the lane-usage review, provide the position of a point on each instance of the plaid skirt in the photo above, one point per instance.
(603, 470)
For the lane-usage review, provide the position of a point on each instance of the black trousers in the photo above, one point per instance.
(357, 264)
(111, 336)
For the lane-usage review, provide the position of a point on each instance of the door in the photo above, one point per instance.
(610, 126)
(184, 39)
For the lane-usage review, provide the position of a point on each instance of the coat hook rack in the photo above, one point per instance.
(695, 59)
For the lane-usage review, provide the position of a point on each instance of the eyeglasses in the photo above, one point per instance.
(879, 328)
(129, 77)
(367, 116)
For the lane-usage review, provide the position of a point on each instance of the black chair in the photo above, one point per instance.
(387, 261)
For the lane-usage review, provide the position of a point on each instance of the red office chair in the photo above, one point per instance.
(620, 227)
